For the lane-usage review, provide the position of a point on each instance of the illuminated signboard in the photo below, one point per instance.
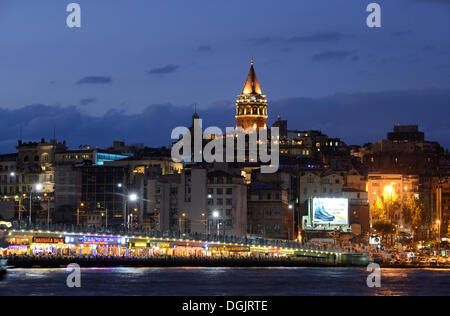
(333, 211)
(160, 245)
(190, 247)
(96, 240)
(48, 240)
(230, 249)
(18, 247)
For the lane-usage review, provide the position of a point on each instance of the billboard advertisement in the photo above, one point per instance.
(333, 211)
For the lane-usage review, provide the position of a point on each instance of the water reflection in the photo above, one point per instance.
(226, 281)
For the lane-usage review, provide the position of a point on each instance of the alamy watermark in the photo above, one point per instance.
(74, 17)
(237, 142)
(374, 278)
(74, 278)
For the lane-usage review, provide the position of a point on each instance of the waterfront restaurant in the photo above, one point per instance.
(41, 243)
(77, 244)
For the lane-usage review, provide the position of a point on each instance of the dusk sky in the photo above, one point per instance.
(135, 68)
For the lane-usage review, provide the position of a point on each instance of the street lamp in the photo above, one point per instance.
(106, 217)
(439, 229)
(388, 189)
(133, 197)
(20, 206)
(37, 187)
(216, 215)
(182, 216)
(78, 213)
(203, 220)
(46, 195)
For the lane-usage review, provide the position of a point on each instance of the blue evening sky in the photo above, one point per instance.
(135, 68)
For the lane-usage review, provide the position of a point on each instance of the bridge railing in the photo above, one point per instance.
(263, 242)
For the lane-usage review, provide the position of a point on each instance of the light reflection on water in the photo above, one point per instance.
(226, 281)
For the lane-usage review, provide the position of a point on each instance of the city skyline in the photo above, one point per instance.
(247, 150)
(334, 74)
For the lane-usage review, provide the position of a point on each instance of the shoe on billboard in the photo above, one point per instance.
(323, 215)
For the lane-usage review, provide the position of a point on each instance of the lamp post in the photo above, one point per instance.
(291, 207)
(48, 209)
(132, 198)
(439, 233)
(216, 215)
(22, 196)
(78, 213)
(106, 217)
(182, 216)
(37, 187)
(203, 220)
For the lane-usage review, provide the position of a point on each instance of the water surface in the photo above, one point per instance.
(226, 281)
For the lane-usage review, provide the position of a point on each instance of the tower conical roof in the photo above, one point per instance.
(252, 85)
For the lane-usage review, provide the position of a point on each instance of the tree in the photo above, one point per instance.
(414, 214)
(384, 208)
(384, 227)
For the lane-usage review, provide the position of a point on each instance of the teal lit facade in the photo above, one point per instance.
(101, 158)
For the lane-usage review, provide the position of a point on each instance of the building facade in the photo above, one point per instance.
(270, 215)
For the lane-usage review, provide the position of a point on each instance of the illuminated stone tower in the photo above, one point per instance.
(251, 105)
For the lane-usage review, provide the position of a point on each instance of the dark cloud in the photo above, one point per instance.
(204, 49)
(356, 118)
(164, 70)
(87, 101)
(310, 38)
(361, 117)
(152, 126)
(95, 80)
(334, 55)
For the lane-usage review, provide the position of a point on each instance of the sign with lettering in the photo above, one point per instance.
(189, 247)
(48, 240)
(96, 240)
(230, 249)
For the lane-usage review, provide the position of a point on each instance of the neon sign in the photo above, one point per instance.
(96, 240)
(48, 240)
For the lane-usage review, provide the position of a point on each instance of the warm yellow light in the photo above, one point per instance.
(388, 189)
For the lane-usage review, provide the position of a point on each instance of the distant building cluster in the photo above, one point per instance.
(140, 187)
